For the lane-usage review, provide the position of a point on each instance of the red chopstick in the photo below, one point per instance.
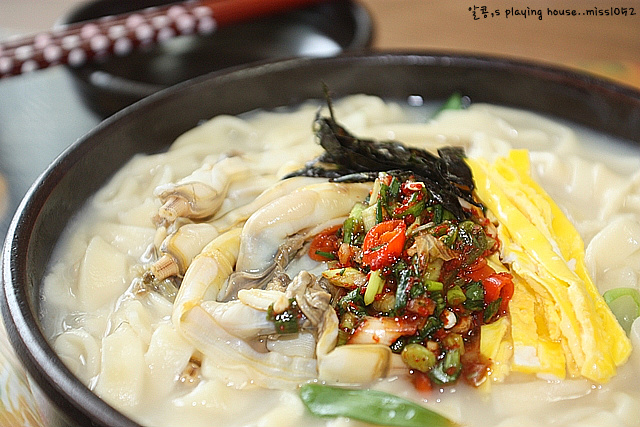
(77, 44)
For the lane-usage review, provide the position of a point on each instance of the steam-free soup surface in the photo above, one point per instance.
(125, 340)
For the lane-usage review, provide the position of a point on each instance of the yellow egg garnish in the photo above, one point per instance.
(496, 346)
(535, 350)
(560, 325)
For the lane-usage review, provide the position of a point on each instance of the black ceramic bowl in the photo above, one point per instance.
(152, 124)
(320, 30)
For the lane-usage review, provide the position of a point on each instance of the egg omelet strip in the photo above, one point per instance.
(572, 247)
(558, 318)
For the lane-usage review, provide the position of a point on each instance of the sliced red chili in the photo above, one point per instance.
(498, 285)
(383, 244)
(325, 244)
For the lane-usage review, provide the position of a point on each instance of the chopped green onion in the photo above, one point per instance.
(370, 406)
(447, 216)
(352, 303)
(438, 298)
(348, 229)
(448, 369)
(455, 296)
(369, 217)
(473, 236)
(398, 345)
(491, 310)
(475, 296)
(394, 187)
(431, 327)
(432, 272)
(453, 341)
(356, 211)
(455, 102)
(379, 213)
(375, 192)
(348, 321)
(374, 286)
(437, 214)
(416, 209)
(625, 305)
(417, 356)
(384, 194)
(327, 255)
(452, 234)
(287, 321)
(433, 285)
(417, 289)
(402, 291)
(414, 197)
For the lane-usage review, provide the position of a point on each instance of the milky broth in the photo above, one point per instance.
(124, 346)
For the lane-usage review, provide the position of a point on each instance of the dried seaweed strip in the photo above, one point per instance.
(351, 159)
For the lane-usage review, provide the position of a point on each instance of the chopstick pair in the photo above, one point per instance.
(77, 44)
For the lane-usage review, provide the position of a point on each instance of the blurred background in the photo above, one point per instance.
(607, 45)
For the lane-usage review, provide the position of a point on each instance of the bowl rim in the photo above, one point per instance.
(48, 372)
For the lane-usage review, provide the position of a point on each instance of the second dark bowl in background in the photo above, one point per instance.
(320, 30)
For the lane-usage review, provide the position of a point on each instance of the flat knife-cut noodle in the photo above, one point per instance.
(122, 343)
